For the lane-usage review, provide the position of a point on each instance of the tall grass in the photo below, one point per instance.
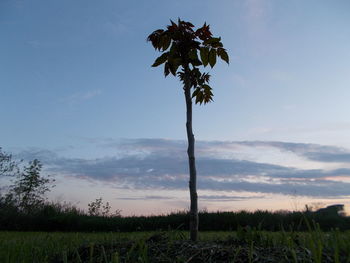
(41, 246)
(250, 244)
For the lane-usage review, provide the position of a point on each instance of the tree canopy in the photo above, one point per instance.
(184, 46)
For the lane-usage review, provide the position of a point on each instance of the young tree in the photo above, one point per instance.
(180, 45)
(97, 208)
(7, 165)
(30, 187)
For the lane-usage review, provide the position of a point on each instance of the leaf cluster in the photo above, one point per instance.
(7, 165)
(186, 48)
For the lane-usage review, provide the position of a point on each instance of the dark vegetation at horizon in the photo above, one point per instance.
(67, 218)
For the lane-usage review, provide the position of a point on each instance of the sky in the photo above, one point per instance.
(77, 92)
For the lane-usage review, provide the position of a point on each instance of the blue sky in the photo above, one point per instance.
(77, 90)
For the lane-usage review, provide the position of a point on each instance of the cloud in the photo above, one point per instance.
(148, 197)
(328, 157)
(115, 28)
(227, 198)
(299, 148)
(180, 145)
(256, 10)
(43, 155)
(256, 18)
(316, 188)
(313, 152)
(208, 198)
(162, 164)
(34, 43)
(81, 96)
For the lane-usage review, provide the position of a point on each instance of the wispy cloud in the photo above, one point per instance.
(256, 16)
(227, 198)
(256, 10)
(81, 96)
(34, 43)
(327, 129)
(208, 198)
(148, 197)
(115, 28)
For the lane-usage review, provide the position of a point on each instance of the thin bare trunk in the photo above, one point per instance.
(191, 161)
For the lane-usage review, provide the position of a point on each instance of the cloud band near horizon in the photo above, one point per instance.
(162, 164)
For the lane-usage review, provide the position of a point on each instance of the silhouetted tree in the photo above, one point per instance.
(97, 208)
(7, 165)
(180, 45)
(29, 189)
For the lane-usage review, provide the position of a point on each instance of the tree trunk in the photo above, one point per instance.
(191, 161)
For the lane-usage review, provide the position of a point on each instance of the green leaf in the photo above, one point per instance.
(217, 44)
(160, 60)
(223, 55)
(212, 40)
(160, 42)
(205, 77)
(195, 92)
(196, 62)
(166, 42)
(204, 52)
(206, 87)
(199, 97)
(196, 73)
(173, 49)
(192, 54)
(177, 62)
(207, 94)
(174, 65)
(172, 69)
(212, 57)
(166, 69)
(154, 38)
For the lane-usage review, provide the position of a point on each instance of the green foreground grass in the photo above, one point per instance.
(244, 245)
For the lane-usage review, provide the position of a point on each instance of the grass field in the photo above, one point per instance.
(244, 245)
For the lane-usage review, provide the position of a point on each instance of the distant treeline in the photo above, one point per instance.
(60, 217)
